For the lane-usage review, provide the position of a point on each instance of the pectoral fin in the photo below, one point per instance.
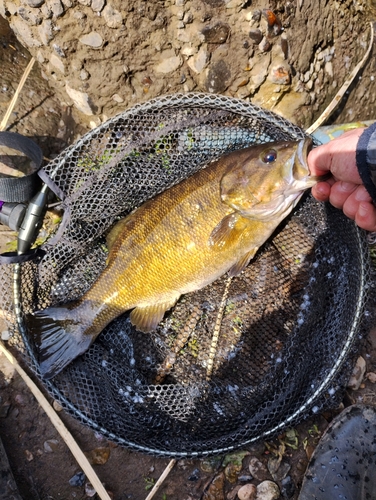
(146, 319)
(242, 263)
(229, 230)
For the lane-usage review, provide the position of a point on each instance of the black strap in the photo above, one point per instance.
(18, 189)
(14, 258)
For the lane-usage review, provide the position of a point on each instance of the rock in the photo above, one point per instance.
(168, 65)
(97, 5)
(113, 17)
(80, 100)
(89, 490)
(57, 406)
(210, 464)
(218, 77)
(216, 34)
(358, 374)
(56, 7)
(57, 63)
(198, 62)
(280, 72)
(216, 488)
(281, 472)
(29, 16)
(195, 475)
(24, 33)
(35, 3)
(93, 39)
(256, 36)
(267, 490)
(98, 456)
(288, 487)
(45, 32)
(78, 479)
(84, 75)
(50, 445)
(29, 456)
(371, 376)
(117, 98)
(247, 492)
(257, 469)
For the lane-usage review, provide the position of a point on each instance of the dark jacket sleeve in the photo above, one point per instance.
(366, 159)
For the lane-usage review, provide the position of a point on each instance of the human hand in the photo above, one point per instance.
(345, 189)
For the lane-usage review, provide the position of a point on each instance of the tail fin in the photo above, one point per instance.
(59, 338)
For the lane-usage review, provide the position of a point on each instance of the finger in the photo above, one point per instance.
(321, 191)
(366, 216)
(353, 201)
(340, 192)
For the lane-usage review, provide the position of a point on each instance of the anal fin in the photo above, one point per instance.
(146, 319)
(242, 263)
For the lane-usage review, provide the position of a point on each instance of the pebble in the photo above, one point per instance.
(247, 492)
(280, 73)
(93, 39)
(267, 490)
(358, 374)
(257, 469)
(98, 456)
(35, 3)
(216, 34)
(218, 76)
(97, 5)
(57, 406)
(29, 16)
(50, 445)
(45, 32)
(78, 479)
(256, 36)
(113, 17)
(29, 456)
(169, 65)
(215, 490)
(195, 475)
(56, 7)
(89, 490)
(288, 487)
(198, 62)
(80, 100)
(57, 63)
(117, 98)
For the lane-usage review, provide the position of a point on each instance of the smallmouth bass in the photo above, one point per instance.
(178, 242)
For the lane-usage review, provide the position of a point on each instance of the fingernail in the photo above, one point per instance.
(362, 210)
(362, 194)
(347, 187)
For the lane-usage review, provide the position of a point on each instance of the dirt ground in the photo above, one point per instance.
(44, 468)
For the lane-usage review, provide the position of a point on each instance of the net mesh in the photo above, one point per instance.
(234, 362)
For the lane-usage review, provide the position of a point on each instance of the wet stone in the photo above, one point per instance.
(216, 34)
(247, 492)
(256, 36)
(267, 490)
(51, 445)
(98, 456)
(258, 469)
(215, 490)
(218, 77)
(288, 487)
(89, 490)
(78, 479)
(195, 475)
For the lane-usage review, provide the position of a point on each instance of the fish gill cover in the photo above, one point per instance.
(231, 363)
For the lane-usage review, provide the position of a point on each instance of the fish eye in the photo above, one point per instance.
(270, 156)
